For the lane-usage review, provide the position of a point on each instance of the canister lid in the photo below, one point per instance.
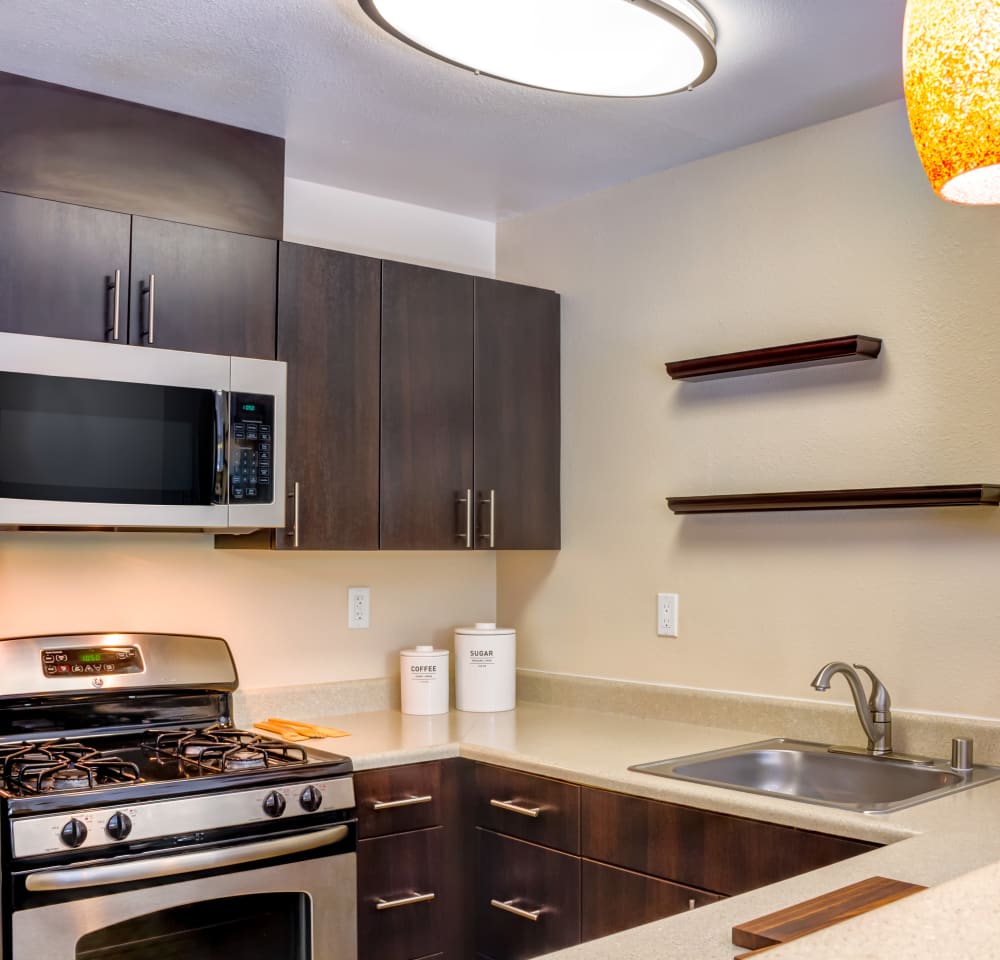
(423, 651)
(484, 630)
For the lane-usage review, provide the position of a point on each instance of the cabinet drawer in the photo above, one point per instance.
(394, 799)
(717, 852)
(614, 899)
(529, 807)
(542, 883)
(397, 870)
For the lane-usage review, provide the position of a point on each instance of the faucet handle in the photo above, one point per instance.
(878, 701)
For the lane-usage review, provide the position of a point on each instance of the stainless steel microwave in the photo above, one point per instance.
(101, 436)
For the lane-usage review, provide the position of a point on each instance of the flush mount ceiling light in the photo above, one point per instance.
(605, 48)
(951, 72)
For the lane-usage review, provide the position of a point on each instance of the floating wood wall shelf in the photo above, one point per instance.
(812, 353)
(952, 495)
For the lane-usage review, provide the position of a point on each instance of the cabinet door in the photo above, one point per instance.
(517, 416)
(328, 333)
(393, 799)
(57, 269)
(542, 884)
(403, 908)
(527, 806)
(203, 290)
(427, 408)
(614, 900)
(712, 851)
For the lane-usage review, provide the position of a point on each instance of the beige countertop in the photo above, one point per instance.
(951, 844)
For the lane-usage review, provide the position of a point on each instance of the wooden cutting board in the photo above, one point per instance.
(824, 911)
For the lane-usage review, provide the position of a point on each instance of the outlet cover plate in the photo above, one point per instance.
(359, 600)
(666, 614)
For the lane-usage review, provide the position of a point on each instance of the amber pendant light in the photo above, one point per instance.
(951, 75)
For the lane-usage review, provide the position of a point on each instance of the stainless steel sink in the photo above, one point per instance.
(809, 772)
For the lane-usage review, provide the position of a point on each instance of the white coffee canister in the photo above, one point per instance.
(423, 679)
(485, 668)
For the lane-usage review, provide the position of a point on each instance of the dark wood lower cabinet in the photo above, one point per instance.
(533, 879)
(707, 850)
(393, 870)
(614, 899)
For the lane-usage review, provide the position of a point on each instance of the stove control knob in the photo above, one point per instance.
(311, 799)
(73, 833)
(119, 826)
(274, 804)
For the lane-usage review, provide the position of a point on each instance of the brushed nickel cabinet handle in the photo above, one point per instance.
(115, 285)
(294, 532)
(151, 308)
(466, 534)
(692, 904)
(381, 904)
(512, 807)
(509, 906)
(405, 802)
(489, 535)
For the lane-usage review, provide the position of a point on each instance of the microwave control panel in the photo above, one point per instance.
(251, 446)
(88, 661)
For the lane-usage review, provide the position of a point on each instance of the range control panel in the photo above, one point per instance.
(88, 661)
(251, 446)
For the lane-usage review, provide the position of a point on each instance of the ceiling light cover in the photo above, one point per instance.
(951, 70)
(607, 48)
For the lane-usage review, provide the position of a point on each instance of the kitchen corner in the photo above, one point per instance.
(950, 845)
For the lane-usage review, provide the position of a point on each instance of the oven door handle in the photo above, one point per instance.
(77, 878)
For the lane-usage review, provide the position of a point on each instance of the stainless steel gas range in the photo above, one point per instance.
(138, 823)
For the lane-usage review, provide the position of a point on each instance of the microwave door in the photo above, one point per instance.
(99, 450)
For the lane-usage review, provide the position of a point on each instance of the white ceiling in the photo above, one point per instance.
(362, 111)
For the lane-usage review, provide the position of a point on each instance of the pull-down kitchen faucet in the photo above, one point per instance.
(874, 715)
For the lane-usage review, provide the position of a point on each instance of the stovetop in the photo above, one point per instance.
(66, 767)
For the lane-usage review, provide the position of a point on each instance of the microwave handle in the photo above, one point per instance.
(219, 481)
(154, 868)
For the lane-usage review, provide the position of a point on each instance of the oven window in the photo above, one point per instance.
(272, 926)
(95, 441)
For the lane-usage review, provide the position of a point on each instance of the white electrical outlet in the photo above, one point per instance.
(666, 614)
(359, 605)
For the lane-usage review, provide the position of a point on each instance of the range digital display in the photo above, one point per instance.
(91, 661)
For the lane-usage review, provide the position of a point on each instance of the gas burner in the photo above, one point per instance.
(220, 750)
(59, 766)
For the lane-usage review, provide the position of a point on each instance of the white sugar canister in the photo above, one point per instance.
(485, 668)
(423, 680)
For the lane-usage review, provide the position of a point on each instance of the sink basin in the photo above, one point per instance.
(809, 772)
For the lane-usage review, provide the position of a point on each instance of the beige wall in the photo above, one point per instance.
(827, 231)
(324, 216)
(284, 614)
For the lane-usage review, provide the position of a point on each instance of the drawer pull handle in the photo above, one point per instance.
(692, 904)
(405, 802)
(509, 905)
(512, 807)
(381, 904)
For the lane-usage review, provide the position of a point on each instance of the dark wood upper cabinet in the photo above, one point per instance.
(427, 408)
(79, 147)
(57, 269)
(517, 416)
(207, 290)
(328, 333)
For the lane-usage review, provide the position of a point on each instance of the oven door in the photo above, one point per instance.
(291, 898)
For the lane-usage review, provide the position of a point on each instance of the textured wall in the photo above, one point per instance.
(827, 231)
